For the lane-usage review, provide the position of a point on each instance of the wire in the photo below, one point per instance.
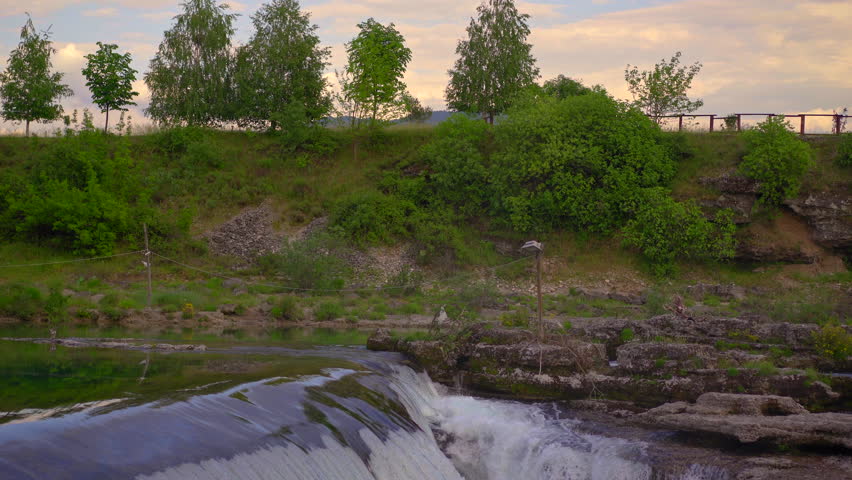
(78, 260)
(342, 290)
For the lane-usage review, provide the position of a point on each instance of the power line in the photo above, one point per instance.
(77, 260)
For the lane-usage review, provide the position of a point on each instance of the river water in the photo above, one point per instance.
(273, 412)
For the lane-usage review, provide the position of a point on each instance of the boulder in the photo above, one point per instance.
(829, 214)
(754, 418)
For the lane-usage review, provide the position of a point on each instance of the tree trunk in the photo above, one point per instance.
(106, 123)
(27, 129)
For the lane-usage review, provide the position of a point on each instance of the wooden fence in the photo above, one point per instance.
(837, 127)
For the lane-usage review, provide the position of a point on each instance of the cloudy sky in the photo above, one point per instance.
(779, 56)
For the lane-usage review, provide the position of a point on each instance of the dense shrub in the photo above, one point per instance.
(20, 301)
(844, 151)
(370, 218)
(777, 159)
(287, 308)
(832, 341)
(313, 263)
(577, 163)
(665, 229)
(176, 141)
(329, 310)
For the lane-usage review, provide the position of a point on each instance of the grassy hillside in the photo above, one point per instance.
(193, 185)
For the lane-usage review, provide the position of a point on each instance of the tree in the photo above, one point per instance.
(190, 76)
(662, 91)
(494, 64)
(377, 61)
(29, 90)
(416, 111)
(279, 73)
(110, 79)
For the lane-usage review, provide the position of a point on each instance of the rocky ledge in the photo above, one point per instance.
(752, 419)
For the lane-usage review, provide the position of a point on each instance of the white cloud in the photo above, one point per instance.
(101, 12)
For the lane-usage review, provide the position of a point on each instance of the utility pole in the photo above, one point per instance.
(537, 247)
(147, 262)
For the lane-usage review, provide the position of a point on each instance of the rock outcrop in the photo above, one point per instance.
(754, 418)
(829, 214)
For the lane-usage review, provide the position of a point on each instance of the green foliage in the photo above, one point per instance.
(377, 59)
(190, 75)
(579, 163)
(844, 151)
(833, 342)
(56, 305)
(416, 112)
(482, 81)
(20, 301)
(626, 335)
(110, 79)
(175, 141)
(329, 310)
(562, 87)
(662, 91)
(567, 325)
(30, 92)
(764, 368)
(517, 317)
(313, 263)
(777, 159)
(665, 229)
(287, 308)
(370, 218)
(279, 72)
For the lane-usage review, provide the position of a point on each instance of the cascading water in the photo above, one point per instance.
(379, 420)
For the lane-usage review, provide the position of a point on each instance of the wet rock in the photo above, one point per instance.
(829, 214)
(754, 418)
(381, 340)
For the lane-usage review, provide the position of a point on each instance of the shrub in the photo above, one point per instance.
(329, 310)
(56, 306)
(370, 218)
(833, 342)
(626, 335)
(764, 368)
(777, 159)
(517, 317)
(665, 229)
(313, 263)
(20, 301)
(287, 308)
(176, 141)
(844, 150)
(567, 325)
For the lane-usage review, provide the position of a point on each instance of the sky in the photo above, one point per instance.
(773, 56)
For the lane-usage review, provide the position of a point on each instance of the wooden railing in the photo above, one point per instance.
(837, 127)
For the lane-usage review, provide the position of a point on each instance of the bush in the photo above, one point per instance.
(20, 301)
(517, 317)
(833, 342)
(844, 150)
(313, 263)
(665, 229)
(56, 306)
(777, 159)
(176, 141)
(371, 218)
(287, 308)
(626, 335)
(329, 310)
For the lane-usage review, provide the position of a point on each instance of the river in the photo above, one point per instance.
(260, 411)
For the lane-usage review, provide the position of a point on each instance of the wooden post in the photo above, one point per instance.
(147, 261)
(739, 122)
(538, 291)
(680, 123)
(802, 124)
(712, 120)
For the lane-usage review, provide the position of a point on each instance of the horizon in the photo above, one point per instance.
(768, 56)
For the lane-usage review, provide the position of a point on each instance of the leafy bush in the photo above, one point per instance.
(517, 317)
(764, 368)
(20, 301)
(329, 310)
(626, 335)
(832, 341)
(176, 141)
(665, 229)
(844, 150)
(287, 308)
(370, 218)
(579, 163)
(313, 263)
(777, 159)
(56, 305)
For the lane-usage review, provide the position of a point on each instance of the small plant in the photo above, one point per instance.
(567, 325)
(288, 309)
(626, 335)
(833, 342)
(187, 311)
(732, 371)
(764, 368)
(329, 310)
(518, 317)
(660, 362)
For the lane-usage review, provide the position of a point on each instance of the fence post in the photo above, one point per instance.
(147, 261)
(739, 123)
(680, 123)
(802, 125)
(712, 119)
